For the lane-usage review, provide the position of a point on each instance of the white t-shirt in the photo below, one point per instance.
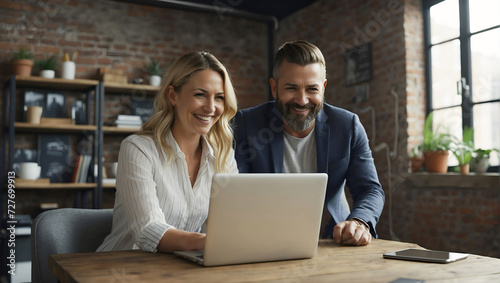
(299, 154)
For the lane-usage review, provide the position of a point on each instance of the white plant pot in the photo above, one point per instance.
(155, 80)
(48, 74)
(480, 165)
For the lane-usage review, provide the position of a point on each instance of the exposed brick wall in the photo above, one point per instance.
(395, 30)
(125, 36)
(120, 35)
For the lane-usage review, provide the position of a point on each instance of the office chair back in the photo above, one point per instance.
(66, 230)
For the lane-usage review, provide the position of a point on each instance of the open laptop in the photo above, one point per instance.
(262, 217)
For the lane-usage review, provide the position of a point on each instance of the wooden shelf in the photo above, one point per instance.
(111, 130)
(130, 88)
(109, 186)
(56, 83)
(57, 186)
(53, 127)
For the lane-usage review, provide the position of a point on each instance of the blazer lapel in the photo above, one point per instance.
(276, 137)
(322, 142)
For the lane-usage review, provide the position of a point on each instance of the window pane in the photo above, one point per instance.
(485, 59)
(483, 14)
(445, 22)
(448, 121)
(487, 129)
(445, 74)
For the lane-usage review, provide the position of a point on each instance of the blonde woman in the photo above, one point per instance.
(165, 171)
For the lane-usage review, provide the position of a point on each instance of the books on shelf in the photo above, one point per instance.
(81, 171)
(128, 121)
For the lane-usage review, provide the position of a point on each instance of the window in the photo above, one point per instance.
(462, 43)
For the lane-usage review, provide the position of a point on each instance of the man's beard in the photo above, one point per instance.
(296, 121)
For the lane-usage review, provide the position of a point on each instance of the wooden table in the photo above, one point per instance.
(333, 263)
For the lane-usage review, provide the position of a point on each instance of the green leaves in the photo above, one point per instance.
(153, 68)
(435, 141)
(48, 64)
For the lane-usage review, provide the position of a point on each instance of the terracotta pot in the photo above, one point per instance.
(464, 169)
(22, 67)
(436, 161)
(416, 163)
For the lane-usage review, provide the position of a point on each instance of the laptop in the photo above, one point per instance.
(262, 217)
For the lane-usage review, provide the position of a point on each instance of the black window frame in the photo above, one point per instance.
(465, 62)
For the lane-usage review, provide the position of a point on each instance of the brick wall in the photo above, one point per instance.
(120, 35)
(434, 217)
(125, 36)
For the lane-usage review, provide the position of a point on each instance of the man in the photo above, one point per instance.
(299, 133)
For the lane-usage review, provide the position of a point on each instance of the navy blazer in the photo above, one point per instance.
(343, 153)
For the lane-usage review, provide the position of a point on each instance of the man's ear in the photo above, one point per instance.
(171, 94)
(274, 85)
(324, 85)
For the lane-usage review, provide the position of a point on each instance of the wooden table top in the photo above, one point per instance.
(333, 263)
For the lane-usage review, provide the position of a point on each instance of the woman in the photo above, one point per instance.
(165, 171)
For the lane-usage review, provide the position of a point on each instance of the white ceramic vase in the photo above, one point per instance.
(480, 165)
(155, 80)
(48, 74)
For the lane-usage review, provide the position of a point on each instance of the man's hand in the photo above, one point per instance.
(352, 232)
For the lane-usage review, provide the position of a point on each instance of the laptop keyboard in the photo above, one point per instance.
(199, 256)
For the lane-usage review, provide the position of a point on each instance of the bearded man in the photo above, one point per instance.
(300, 133)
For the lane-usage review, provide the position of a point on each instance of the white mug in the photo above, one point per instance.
(29, 170)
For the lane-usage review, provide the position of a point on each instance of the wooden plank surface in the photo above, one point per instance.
(53, 127)
(333, 263)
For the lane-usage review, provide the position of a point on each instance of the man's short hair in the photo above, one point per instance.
(298, 52)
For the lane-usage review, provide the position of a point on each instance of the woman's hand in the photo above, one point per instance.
(178, 240)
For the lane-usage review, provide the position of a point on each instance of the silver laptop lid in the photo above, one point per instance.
(264, 217)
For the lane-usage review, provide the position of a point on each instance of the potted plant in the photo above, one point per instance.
(416, 158)
(480, 162)
(435, 147)
(155, 72)
(47, 67)
(22, 62)
(463, 150)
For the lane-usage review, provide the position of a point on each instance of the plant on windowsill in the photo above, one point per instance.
(416, 159)
(47, 67)
(155, 72)
(463, 150)
(22, 62)
(480, 162)
(435, 147)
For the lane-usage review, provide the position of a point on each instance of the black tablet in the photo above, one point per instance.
(426, 255)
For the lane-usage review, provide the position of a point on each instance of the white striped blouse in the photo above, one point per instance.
(153, 195)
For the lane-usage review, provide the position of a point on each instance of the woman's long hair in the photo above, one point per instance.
(220, 136)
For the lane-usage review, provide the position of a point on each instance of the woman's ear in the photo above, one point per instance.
(171, 94)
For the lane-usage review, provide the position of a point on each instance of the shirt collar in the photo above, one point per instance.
(206, 149)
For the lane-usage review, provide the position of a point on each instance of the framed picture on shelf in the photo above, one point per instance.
(55, 105)
(54, 156)
(78, 112)
(33, 98)
(142, 107)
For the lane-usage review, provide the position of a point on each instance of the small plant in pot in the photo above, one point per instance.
(463, 150)
(155, 72)
(416, 158)
(480, 162)
(47, 67)
(435, 147)
(22, 62)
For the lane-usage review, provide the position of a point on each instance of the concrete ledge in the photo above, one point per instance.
(455, 180)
